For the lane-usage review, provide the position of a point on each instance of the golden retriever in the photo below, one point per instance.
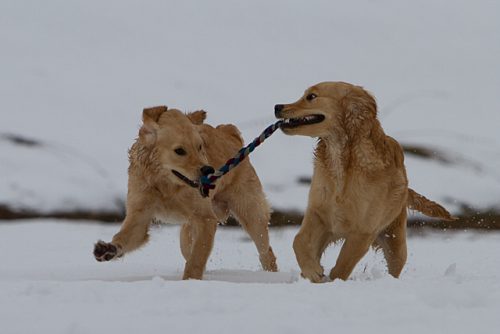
(170, 144)
(359, 190)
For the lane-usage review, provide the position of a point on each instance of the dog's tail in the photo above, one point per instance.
(426, 206)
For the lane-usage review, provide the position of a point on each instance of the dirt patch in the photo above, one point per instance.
(7, 213)
(469, 219)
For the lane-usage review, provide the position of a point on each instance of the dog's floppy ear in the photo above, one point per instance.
(197, 117)
(359, 106)
(359, 102)
(150, 117)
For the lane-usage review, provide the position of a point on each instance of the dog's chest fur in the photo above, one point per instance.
(344, 186)
(330, 162)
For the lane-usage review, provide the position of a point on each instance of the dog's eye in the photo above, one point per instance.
(311, 97)
(199, 148)
(180, 151)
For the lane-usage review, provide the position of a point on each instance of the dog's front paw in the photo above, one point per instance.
(105, 251)
(268, 261)
(314, 274)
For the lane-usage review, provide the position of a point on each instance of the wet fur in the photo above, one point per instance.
(359, 191)
(155, 192)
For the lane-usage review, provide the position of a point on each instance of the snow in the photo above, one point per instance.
(75, 77)
(50, 177)
(50, 283)
(77, 74)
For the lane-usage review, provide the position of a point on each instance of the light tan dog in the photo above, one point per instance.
(359, 189)
(172, 142)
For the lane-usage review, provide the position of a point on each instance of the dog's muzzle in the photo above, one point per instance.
(186, 180)
(277, 110)
(203, 188)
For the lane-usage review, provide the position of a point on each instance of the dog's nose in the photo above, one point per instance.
(205, 170)
(277, 110)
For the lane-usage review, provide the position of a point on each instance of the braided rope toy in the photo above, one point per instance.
(207, 181)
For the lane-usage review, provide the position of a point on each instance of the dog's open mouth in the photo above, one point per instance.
(299, 121)
(203, 188)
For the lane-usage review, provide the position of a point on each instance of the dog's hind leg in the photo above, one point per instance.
(253, 213)
(393, 243)
(354, 248)
(309, 245)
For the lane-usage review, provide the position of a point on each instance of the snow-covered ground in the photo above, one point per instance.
(76, 74)
(50, 283)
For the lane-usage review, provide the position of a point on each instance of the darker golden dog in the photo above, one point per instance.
(359, 189)
(170, 144)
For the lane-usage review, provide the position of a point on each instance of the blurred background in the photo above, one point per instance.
(75, 76)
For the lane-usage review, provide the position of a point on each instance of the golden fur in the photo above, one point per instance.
(359, 190)
(154, 191)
